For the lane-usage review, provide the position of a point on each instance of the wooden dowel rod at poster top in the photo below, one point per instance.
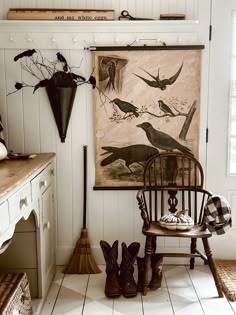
(145, 47)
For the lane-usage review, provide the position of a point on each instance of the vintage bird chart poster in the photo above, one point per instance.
(146, 101)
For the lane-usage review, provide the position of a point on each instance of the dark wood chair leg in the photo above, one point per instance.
(148, 253)
(212, 266)
(193, 251)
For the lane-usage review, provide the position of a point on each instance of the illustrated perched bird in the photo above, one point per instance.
(165, 108)
(62, 59)
(111, 67)
(107, 70)
(131, 154)
(26, 53)
(162, 140)
(126, 107)
(161, 84)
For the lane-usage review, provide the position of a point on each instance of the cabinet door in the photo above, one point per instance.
(48, 244)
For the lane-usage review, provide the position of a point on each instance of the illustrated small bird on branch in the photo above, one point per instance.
(162, 140)
(157, 83)
(126, 107)
(165, 108)
(26, 53)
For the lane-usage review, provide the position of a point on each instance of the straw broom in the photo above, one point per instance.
(82, 260)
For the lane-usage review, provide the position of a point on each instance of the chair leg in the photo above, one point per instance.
(212, 266)
(193, 251)
(148, 253)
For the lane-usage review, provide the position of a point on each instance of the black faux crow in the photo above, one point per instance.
(126, 107)
(161, 84)
(62, 59)
(162, 140)
(165, 108)
(26, 53)
(42, 83)
(136, 153)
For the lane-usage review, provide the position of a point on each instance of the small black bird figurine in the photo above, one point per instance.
(126, 107)
(26, 53)
(42, 83)
(161, 84)
(162, 140)
(136, 153)
(62, 59)
(165, 108)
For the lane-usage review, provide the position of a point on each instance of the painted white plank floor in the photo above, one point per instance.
(183, 292)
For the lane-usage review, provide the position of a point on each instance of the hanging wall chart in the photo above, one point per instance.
(146, 101)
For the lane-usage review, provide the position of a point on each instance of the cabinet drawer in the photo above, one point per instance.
(41, 182)
(19, 201)
(4, 214)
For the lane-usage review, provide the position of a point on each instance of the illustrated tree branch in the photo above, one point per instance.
(186, 125)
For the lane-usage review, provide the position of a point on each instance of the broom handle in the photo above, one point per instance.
(85, 187)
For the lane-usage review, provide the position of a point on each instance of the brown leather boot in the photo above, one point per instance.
(156, 264)
(127, 281)
(112, 286)
(141, 270)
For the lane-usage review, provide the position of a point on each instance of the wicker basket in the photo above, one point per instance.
(14, 294)
(226, 270)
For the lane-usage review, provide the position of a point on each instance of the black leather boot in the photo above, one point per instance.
(112, 285)
(128, 284)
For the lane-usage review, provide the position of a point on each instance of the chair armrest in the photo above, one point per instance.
(142, 206)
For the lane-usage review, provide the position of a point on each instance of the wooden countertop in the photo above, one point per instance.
(14, 172)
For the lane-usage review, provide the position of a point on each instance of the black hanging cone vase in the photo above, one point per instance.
(61, 100)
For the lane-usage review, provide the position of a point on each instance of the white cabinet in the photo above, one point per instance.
(27, 218)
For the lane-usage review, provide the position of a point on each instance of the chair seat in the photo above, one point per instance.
(196, 231)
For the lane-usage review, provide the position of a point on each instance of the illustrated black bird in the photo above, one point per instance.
(165, 108)
(26, 53)
(126, 107)
(161, 84)
(162, 140)
(136, 153)
(62, 59)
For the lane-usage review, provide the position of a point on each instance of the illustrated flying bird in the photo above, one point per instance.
(126, 107)
(62, 59)
(26, 53)
(157, 83)
(165, 108)
(131, 154)
(162, 140)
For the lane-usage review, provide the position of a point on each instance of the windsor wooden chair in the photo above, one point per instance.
(174, 181)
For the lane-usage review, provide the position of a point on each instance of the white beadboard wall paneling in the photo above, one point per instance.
(139, 8)
(43, 4)
(48, 129)
(14, 103)
(64, 184)
(111, 216)
(126, 219)
(3, 110)
(27, 3)
(79, 139)
(30, 102)
(97, 4)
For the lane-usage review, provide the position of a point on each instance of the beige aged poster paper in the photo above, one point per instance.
(145, 102)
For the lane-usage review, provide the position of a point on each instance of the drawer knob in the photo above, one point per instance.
(47, 225)
(24, 202)
(43, 183)
(52, 172)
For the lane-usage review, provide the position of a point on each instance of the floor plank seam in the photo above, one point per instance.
(199, 300)
(172, 307)
(62, 280)
(85, 295)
